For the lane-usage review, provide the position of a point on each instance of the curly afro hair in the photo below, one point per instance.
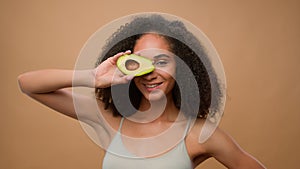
(184, 45)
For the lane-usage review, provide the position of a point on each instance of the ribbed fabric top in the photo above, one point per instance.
(176, 158)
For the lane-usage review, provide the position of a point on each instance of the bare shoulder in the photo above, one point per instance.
(219, 145)
(215, 137)
(196, 151)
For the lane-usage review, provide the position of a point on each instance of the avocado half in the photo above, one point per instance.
(134, 65)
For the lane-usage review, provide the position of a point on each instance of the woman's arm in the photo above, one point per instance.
(223, 148)
(45, 81)
(51, 86)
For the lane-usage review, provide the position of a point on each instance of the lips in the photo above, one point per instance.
(153, 86)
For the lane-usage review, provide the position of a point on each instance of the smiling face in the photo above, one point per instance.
(156, 48)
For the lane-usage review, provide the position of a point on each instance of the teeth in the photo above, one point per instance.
(152, 86)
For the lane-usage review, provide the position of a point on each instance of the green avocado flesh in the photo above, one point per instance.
(134, 65)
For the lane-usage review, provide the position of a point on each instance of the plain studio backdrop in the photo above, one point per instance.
(258, 42)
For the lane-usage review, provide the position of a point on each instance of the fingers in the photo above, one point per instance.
(129, 77)
(116, 57)
(128, 52)
(122, 80)
(119, 77)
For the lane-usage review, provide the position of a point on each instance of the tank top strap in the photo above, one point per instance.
(121, 124)
(187, 127)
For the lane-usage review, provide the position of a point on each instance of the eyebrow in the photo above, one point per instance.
(161, 55)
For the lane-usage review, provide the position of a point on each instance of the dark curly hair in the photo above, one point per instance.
(183, 44)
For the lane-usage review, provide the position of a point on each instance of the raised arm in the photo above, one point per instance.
(51, 87)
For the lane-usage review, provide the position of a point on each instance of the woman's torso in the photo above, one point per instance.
(119, 156)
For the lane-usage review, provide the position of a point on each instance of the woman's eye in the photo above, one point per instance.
(161, 63)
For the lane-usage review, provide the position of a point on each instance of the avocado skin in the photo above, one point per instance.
(145, 65)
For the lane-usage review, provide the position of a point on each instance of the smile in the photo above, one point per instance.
(152, 86)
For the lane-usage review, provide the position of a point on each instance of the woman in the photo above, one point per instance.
(149, 121)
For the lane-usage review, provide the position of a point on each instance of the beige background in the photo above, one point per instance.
(258, 42)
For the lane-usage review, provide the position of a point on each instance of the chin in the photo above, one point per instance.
(156, 95)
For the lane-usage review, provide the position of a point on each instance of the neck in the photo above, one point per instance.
(165, 106)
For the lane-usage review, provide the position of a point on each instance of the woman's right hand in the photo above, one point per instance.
(108, 74)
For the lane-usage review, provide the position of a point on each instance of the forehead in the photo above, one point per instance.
(155, 53)
(151, 40)
(151, 45)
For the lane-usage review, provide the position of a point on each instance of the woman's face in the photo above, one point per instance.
(161, 81)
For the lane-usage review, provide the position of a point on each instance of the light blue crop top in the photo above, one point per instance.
(176, 158)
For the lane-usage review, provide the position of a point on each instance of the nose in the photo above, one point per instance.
(150, 76)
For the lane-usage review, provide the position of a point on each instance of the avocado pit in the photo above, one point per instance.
(131, 64)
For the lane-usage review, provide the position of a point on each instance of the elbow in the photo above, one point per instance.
(22, 82)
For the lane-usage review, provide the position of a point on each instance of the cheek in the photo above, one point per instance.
(136, 81)
(169, 77)
(168, 73)
(172, 70)
(170, 86)
(138, 84)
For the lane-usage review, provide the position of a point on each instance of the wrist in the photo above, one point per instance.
(84, 78)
